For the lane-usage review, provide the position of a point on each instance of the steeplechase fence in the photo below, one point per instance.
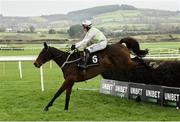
(161, 95)
(160, 86)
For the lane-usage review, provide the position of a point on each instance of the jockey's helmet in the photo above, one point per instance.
(87, 23)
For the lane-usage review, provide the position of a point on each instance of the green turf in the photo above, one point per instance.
(31, 36)
(29, 49)
(23, 99)
(169, 45)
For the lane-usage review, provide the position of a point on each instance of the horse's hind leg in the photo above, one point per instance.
(58, 93)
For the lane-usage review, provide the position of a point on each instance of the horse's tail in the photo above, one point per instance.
(142, 53)
(133, 45)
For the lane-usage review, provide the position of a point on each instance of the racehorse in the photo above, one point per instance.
(113, 57)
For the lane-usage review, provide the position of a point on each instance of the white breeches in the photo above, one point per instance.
(98, 46)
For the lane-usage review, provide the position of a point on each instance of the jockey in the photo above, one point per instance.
(93, 41)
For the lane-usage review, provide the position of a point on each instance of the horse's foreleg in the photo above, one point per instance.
(58, 93)
(68, 94)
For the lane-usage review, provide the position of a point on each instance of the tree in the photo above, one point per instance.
(2, 29)
(75, 31)
(52, 31)
(32, 29)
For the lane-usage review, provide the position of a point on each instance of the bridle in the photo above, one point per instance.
(66, 61)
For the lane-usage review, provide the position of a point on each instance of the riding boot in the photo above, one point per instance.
(85, 59)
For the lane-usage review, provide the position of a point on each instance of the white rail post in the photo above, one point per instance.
(42, 79)
(20, 69)
(50, 64)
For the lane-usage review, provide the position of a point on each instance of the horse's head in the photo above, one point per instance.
(44, 56)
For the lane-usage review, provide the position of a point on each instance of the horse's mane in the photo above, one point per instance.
(57, 51)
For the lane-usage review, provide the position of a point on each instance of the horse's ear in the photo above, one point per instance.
(45, 45)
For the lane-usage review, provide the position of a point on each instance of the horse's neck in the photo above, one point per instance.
(59, 56)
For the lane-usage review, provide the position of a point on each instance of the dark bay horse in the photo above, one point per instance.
(113, 57)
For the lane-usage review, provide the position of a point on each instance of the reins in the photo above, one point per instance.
(66, 61)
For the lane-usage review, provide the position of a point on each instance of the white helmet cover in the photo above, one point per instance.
(86, 23)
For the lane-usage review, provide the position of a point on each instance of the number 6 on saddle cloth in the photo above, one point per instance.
(93, 60)
(76, 55)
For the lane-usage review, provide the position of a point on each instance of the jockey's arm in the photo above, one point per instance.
(89, 36)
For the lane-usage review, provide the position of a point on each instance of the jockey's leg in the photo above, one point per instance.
(87, 54)
(93, 48)
(85, 59)
(97, 47)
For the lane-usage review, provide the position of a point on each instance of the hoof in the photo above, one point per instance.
(46, 109)
(138, 99)
(66, 109)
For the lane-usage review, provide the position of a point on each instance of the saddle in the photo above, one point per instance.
(93, 59)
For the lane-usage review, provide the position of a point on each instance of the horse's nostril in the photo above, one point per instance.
(35, 64)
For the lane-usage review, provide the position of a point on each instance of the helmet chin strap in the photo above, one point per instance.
(86, 28)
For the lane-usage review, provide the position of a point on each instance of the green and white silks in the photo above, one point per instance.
(94, 40)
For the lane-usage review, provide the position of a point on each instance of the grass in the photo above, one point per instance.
(22, 99)
(36, 48)
(120, 14)
(117, 19)
(31, 36)
(170, 45)
(29, 49)
(120, 26)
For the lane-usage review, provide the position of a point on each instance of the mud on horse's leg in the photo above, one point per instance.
(58, 93)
